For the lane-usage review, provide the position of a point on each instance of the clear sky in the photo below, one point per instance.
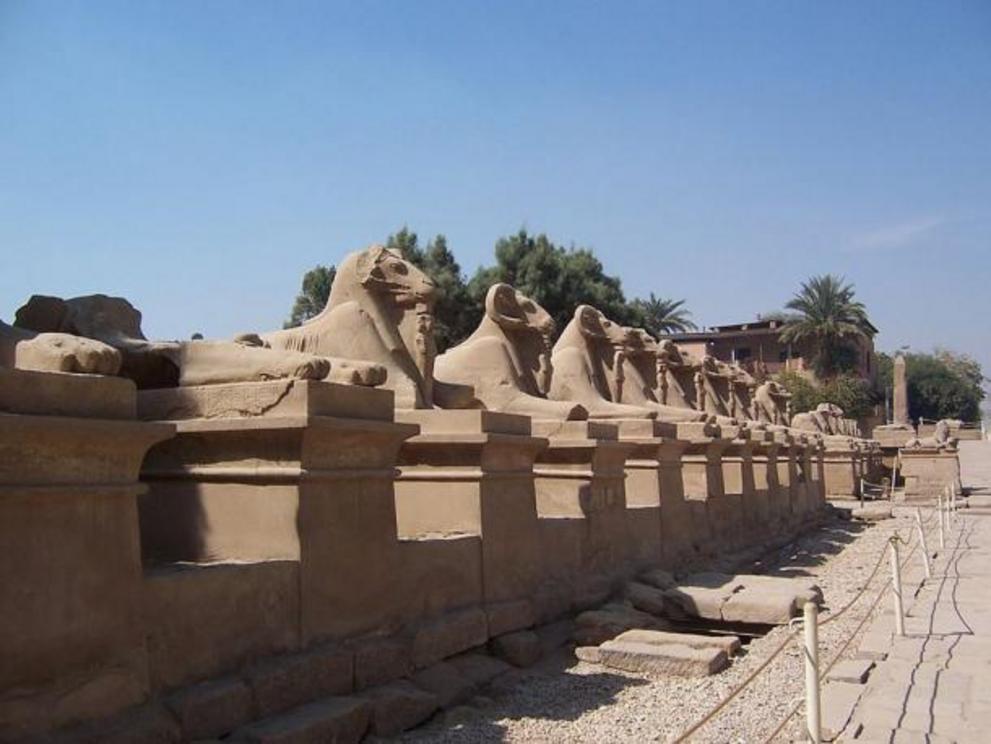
(198, 157)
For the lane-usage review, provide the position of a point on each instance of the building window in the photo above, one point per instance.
(741, 354)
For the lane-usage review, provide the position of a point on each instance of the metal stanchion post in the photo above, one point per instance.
(813, 716)
(922, 541)
(896, 588)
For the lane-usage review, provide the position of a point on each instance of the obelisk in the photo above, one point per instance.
(901, 391)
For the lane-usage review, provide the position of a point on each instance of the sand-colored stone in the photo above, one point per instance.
(588, 366)
(508, 359)
(380, 309)
(662, 659)
(341, 720)
(728, 643)
(157, 364)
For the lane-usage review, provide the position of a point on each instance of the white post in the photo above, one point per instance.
(939, 512)
(922, 540)
(896, 588)
(813, 717)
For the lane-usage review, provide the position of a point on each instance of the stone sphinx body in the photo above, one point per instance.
(640, 379)
(55, 352)
(588, 364)
(115, 323)
(676, 378)
(508, 359)
(770, 404)
(380, 309)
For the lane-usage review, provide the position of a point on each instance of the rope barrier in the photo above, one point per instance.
(790, 637)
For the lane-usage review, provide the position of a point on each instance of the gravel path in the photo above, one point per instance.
(567, 700)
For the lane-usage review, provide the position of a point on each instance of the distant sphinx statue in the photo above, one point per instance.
(770, 403)
(55, 352)
(640, 379)
(115, 323)
(588, 367)
(676, 383)
(380, 309)
(940, 439)
(508, 359)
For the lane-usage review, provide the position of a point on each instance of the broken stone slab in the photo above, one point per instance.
(855, 671)
(588, 654)
(728, 643)
(444, 681)
(521, 649)
(212, 708)
(664, 659)
(645, 597)
(399, 706)
(341, 720)
(594, 627)
(744, 598)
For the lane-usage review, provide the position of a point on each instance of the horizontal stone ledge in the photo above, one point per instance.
(467, 474)
(266, 474)
(73, 489)
(541, 472)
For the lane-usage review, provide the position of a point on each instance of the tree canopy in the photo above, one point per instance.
(829, 320)
(313, 295)
(559, 278)
(943, 384)
(661, 316)
(853, 394)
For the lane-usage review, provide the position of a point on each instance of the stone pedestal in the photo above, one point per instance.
(765, 461)
(705, 491)
(286, 486)
(781, 496)
(581, 503)
(842, 470)
(927, 472)
(470, 473)
(738, 522)
(72, 645)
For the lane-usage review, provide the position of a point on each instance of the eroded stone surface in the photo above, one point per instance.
(662, 659)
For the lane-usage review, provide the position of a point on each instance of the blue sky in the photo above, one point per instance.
(197, 157)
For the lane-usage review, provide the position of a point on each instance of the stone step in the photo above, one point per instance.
(663, 659)
(742, 598)
(728, 643)
(340, 719)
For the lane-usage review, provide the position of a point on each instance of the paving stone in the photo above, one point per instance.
(399, 706)
(728, 643)
(839, 699)
(521, 648)
(448, 635)
(645, 598)
(446, 682)
(286, 682)
(666, 659)
(211, 708)
(340, 720)
(872, 512)
(874, 645)
(851, 670)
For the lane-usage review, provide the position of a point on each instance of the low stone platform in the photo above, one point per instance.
(742, 598)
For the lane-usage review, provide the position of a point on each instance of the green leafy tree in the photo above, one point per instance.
(313, 295)
(557, 278)
(662, 315)
(941, 385)
(456, 314)
(830, 321)
(851, 393)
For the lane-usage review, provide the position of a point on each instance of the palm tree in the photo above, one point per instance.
(662, 316)
(828, 320)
